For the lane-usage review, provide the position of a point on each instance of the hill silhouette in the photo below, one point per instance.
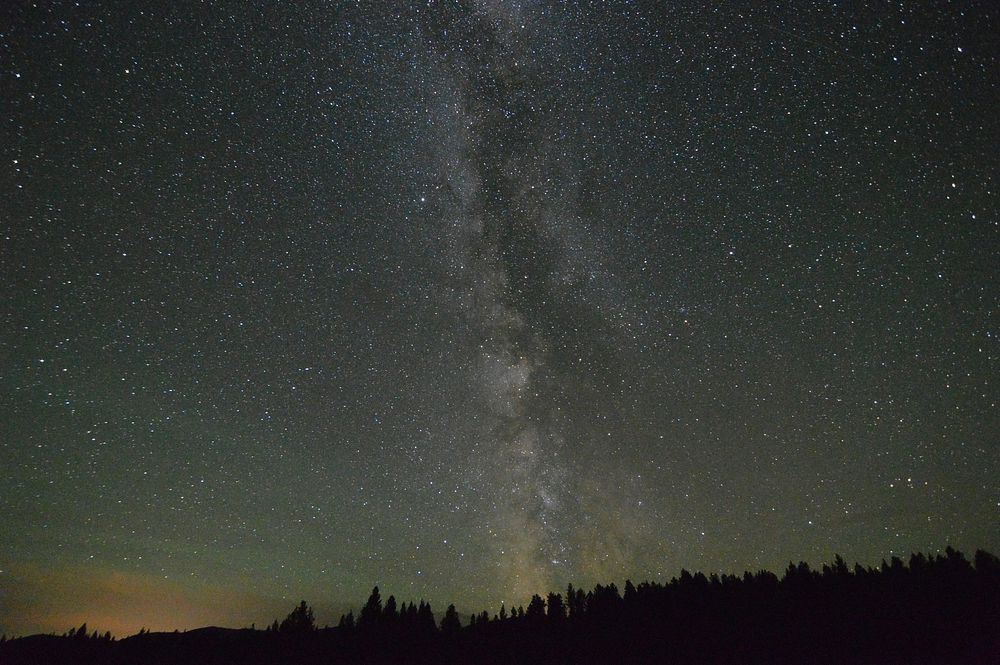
(930, 609)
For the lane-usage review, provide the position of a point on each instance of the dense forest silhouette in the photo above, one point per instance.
(931, 609)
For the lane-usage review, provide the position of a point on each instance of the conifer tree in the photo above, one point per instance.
(371, 613)
(450, 624)
(299, 620)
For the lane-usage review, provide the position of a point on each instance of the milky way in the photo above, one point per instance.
(510, 275)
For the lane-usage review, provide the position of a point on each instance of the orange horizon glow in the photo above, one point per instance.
(38, 600)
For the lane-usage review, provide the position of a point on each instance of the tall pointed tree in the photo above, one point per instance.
(450, 623)
(371, 613)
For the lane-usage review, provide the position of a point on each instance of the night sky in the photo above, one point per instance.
(471, 300)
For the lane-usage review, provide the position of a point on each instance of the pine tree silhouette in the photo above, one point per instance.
(425, 618)
(536, 609)
(555, 609)
(299, 620)
(922, 609)
(371, 613)
(389, 614)
(450, 624)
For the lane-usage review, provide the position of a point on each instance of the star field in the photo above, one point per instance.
(472, 300)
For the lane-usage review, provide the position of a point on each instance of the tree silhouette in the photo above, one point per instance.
(425, 618)
(450, 624)
(922, 609)
(536, 609)
(555, 609)
(299, 620)
(371, 613)
(389, 613)
(629, 591)
(576, 599)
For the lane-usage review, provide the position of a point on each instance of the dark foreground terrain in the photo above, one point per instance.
(940, 609)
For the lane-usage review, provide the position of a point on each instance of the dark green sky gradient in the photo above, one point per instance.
(477, 299)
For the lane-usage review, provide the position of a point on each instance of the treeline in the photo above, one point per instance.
(929, 609)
